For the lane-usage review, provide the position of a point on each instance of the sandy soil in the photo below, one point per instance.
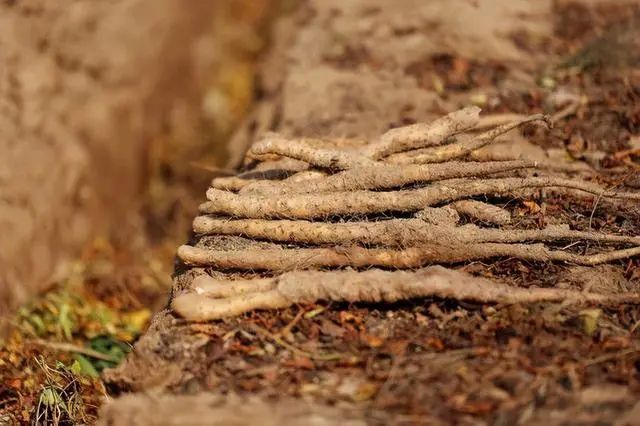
(78, 113)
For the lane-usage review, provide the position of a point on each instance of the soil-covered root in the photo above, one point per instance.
(237, 297)
(445, 216)
(423, 134)
(483, 212)
(232, 183)
(459, 150)
(286, 259)
(300, 149)
(266, 176)
(208, 286)
(365, 182)
(299, 180)
(308, 206)
(394, 232)
(386, 176)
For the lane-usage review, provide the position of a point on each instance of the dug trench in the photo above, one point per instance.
(113, 115)
(300, 216)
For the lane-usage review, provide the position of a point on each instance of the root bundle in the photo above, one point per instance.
(395, 203)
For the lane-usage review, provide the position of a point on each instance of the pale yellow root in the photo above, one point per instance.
(390, 233)
(196, 307)
(358, 257)
(386, 176)
(232, 183)
(445, 216)
(483, 212)
(210, 287)
(274, 187)
(356, 190)
(334, 159)
(423, 134)
(375, 286)
(461, 149)
(307, 206)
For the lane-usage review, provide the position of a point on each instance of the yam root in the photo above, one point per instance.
(402, 197)
(423, 134)
(461, 149)
(358, 257)
(215, 299)
(391, 233)
(387, 176)
(332, 159)
(308, 206)
(483, 212)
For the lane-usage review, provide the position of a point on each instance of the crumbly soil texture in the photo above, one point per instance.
(440, 358)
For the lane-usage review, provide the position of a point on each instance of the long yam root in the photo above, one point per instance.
(359, 257)
(386, 176)
(483, 212)
(315, 179)
(461, 149)
(308, 206)
(390, 233)
(237, 297)
(333, 159)
(423, 135)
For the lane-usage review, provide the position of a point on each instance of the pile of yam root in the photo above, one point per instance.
(338, 220)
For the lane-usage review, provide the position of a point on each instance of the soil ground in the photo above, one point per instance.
(431, 361)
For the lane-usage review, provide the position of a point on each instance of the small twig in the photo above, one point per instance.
(286, 330)
(277, 339)
(611, 357)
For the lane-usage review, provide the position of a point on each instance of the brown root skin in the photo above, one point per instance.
(392, 233)
(462, 149)
(195, 307)
(309, 206)
(233, 183)
(439, 216)
(423, 134)
(371, 286)
(298, 180)
(210, 287)
(482, 211)
(387, 176)
(280, 260)
(333, 159)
